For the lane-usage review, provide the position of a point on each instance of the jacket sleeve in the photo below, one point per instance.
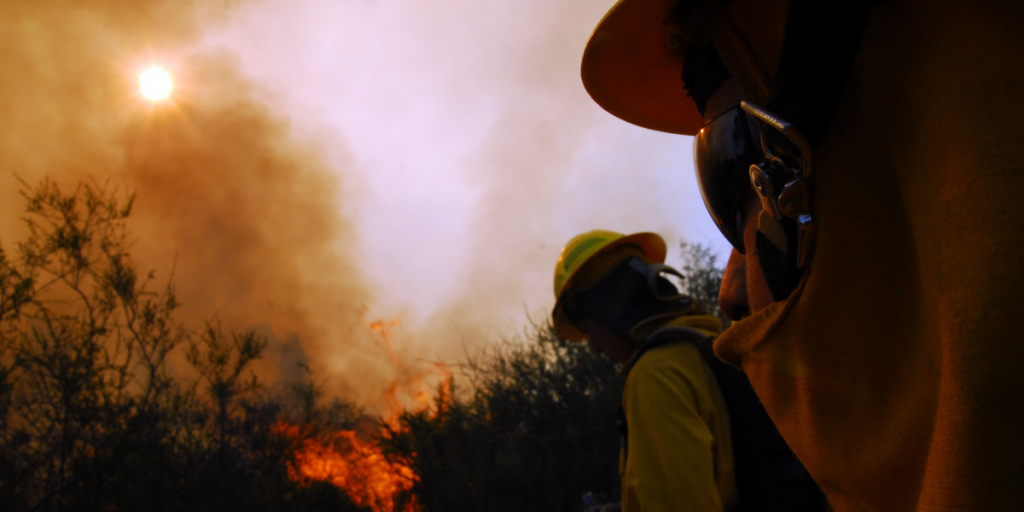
(671, 448)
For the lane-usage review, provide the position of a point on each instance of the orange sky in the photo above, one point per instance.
(325, 163)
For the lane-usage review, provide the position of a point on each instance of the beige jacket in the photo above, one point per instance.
(896, 370)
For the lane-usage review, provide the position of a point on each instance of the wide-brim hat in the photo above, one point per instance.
(633, 69)
(633, 64)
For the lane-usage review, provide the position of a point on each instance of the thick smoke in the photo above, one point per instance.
(483, 152)
(323, 163)
(550, 165)
(245, 217)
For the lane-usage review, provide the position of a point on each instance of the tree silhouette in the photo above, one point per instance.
(703, 277)
(90, 416)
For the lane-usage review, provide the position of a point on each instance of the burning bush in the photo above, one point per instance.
(352, 463)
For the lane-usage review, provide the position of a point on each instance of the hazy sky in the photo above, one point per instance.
(471, 150)
(323, 164)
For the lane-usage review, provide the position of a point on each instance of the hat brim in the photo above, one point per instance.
(630, 71)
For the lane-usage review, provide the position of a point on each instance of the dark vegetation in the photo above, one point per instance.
(703, 277)
(538, 431)
(92, 418)
(540, 427)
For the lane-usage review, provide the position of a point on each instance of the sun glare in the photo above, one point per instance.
(155, 83)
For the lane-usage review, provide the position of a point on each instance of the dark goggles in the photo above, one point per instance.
(723, 152)
(747, 150)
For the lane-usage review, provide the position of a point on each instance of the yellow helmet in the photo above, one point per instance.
(581, 250)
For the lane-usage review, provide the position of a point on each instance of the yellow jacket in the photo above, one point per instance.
(679, 446)
(896, 370)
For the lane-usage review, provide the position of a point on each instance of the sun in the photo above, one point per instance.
(155, 83)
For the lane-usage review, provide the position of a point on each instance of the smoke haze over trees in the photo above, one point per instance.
(91, 417)
(247, 219)
(464, 128)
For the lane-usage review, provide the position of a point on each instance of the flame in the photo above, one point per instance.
(411, 383)
(358, 466)
(354, 465)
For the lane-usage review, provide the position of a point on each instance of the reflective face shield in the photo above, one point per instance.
(748, 150)
(723, 152)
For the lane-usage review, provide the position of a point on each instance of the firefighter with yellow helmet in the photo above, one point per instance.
(863, 159)
(678, 438)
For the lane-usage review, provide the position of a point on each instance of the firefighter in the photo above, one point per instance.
(694, 436)
(863, 161)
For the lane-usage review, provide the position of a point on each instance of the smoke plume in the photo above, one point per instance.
(247, 218)
(325, 164)
(483, 152)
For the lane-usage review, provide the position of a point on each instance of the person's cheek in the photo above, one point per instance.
(759, 295)
(732, 296)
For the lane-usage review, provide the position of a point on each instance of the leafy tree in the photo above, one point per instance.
(703, 277)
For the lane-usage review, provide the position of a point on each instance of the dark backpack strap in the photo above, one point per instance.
(769, 477)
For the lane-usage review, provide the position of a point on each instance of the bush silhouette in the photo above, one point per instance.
(90, 418)
(538, 431)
